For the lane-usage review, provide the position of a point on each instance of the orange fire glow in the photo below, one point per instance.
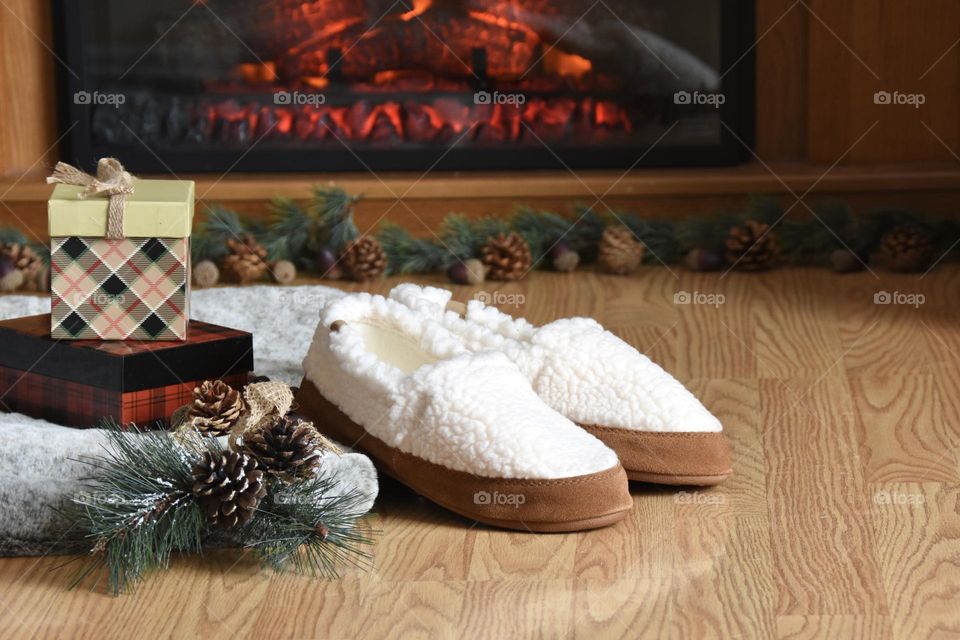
(419, 7)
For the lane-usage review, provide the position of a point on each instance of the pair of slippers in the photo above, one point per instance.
(513, 425)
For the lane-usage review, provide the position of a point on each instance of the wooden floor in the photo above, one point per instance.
(842, 519)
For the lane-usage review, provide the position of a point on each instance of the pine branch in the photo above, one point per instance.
(137, 508)
(289, 231)
(457, 235)
(486, 228)
(706, 232)
(209, 242)
(333, 208)
(811, 241)
(540, 229)
(407, 254)
(586, 232)
(303, 526)
(659, 236)
(12, 235)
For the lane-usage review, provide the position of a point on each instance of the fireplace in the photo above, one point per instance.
(307, 85)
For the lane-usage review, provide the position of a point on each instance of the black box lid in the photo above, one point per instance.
(209, 352)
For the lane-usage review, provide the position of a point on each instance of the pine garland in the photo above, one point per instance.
(12, 235)
(303, 234)
(137, 509)
(209, 242)
(407, 254)
(333, 208)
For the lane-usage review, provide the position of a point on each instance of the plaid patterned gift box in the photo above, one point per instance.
(134, 288)
(119, 255)
(79, 382)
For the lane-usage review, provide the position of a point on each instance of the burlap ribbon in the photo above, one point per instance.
(111, 180)
(265, 401)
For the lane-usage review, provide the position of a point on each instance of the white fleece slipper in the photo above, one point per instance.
(660, 431)
(463, 429)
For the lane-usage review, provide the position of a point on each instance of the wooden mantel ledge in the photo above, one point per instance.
(749, 178)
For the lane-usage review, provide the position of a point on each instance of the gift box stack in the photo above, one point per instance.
(118, 342)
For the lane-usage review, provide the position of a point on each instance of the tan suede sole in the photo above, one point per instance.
(685, 458)
(567, 504)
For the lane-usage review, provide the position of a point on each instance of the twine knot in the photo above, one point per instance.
(111, 180)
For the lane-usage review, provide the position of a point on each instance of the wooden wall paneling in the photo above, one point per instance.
(897, 41)
(781, 68)
(27, 109)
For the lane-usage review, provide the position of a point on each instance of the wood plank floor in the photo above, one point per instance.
(842, 520)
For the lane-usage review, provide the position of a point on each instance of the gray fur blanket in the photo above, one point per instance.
(39, 461)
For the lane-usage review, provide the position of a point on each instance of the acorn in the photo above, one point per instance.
(846, 261)
(205, 274)
(470, 271)
(328, 265)
(11, 278)
(704, 260)
(283, 272)
(563, 258)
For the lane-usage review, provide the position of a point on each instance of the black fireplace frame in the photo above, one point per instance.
(738, 19)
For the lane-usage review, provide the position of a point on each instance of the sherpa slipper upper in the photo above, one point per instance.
(661, 432)
(463, 429)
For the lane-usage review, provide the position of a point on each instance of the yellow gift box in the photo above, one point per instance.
(155, 209)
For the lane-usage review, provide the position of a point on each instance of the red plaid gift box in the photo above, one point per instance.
(80, 382)
(119, 255)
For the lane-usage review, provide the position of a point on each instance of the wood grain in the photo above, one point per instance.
(859, 48)
(841, 520)
(28, 109)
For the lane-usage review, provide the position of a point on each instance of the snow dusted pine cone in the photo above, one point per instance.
(228, 485)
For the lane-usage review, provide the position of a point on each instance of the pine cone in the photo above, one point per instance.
(752, 246)
(26, 261)
(286, 448)
(365, 258)
(507, 257)
(906, 249)
(216, 407)
(619, 251)
(228, 486)
(246, 261)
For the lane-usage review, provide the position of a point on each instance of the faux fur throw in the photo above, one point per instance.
(39, 466)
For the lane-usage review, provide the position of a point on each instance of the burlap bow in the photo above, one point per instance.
(111, 180)
(264, 402)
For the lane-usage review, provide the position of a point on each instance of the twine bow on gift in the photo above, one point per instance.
(111, 180)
